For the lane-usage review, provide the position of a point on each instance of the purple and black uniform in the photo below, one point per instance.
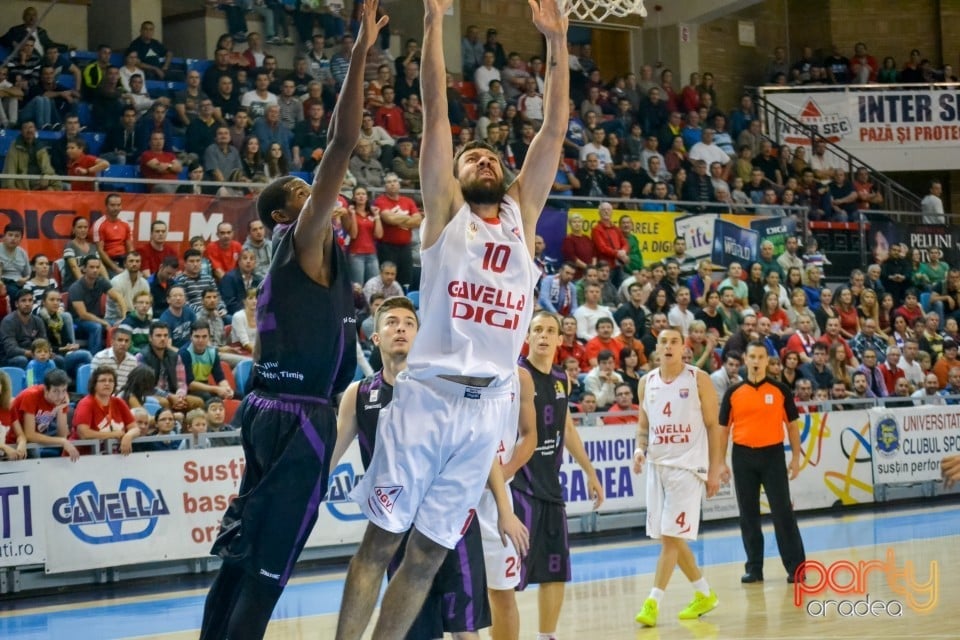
(307, 354)
(537, 494)
(457, 601)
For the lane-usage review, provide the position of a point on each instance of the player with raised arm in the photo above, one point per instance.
(537, 494)
(457, 602)
(438, 437)
(288, 424)
(678, 431)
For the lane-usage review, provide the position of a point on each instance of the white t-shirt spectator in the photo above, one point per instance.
(257, 105)
(932, 208)
(587, 321)
(482, 78)
(709, 153)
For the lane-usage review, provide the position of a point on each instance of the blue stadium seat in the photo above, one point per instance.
(94, 141)
(18, 379)
(83, 377)
(67, 80)
(116, 58)
(151, 405)
(242, 373)
(198, 65)
(122, 171)
(81, 58)
(306, 176)
(178, 143)
(49, 135)
(7, 136)
(414, 297)
(85, 113)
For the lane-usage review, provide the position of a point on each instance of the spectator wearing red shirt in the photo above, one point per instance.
(604, 340)
(223, 253)
(390, 116)
(82, 164)
(831, 336)
(863, 66)
(399, 216)
(577, 247)
(890, 368)
(570, 346)
(13, 442)
(42, 412)
(622, 405)
(365, 227)
(157, 164)
(910, 309)
(153, 253)
(113, 236)
(102, 416)
(608, 241)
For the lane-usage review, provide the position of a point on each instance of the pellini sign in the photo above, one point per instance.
(130, 512)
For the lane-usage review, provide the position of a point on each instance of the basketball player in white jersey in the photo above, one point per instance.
(679, 433)
(437, 439)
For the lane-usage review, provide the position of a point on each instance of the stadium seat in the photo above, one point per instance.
(67, 80)
(230, 407)
(227, 375)
(81, 58)
(414, 297)
(18, 379)
(57, 271)
(178, 143)
(49, 135)
(83, 378)
(194, 64)
(122, 171)
(467, 89)
(151, 405)
(7, 136)
(85, 113)
(94, 141)
(242, 373)
(116, 59)
(306, 176)
(471, 110)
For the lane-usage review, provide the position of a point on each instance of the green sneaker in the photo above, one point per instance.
(648, 615)
(700, 605)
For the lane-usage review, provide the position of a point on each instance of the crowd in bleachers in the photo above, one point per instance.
(177, 332)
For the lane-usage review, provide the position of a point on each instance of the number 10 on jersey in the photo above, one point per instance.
(495, 257)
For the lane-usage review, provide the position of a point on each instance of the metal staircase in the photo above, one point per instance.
(896, 197)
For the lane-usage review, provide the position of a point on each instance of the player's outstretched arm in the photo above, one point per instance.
(574, 444)
(313, 234)
(527, 427)
(346, 423)
(535, 180)
(643, 430)
(441, 195)
(716, 435)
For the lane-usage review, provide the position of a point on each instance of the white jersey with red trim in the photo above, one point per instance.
(476, 297)
(678, 435)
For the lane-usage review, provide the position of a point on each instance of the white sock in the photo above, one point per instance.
(701, 586)
(547, 636)
(656, 594)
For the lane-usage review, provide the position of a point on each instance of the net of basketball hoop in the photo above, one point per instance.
(600, 10)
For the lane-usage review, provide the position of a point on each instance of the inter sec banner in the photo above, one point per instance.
(908, 444)
(894, 129)
(47, 216)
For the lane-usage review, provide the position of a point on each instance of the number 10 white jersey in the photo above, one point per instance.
(476, 297)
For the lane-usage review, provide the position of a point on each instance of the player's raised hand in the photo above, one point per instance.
(437, 7)
(595, 490)
(510, 526)
(369, 25)
(950, 470)
(639, 459)
(548, 18)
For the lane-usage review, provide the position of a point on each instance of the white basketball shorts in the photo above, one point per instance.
(436, 442)
(673, 502)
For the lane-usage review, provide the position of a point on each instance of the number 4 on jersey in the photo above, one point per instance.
(667, 411)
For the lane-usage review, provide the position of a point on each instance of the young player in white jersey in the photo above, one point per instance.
(437, 439)
(678, 432)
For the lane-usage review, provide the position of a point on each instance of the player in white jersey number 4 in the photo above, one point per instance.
(437, 439)
(679, 433)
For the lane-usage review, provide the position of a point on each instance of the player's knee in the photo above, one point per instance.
(423, 553)
(503, 600)
(378, 546)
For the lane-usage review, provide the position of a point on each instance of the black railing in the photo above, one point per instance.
(895, 195)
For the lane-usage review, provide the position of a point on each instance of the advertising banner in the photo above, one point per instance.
(611, 451)
(47, 216)
(919, 237)
(22, 540)
(896, 129)
(908, 444)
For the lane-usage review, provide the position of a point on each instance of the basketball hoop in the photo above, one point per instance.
(600, 10)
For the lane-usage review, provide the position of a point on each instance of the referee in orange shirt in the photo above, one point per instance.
(756, 410)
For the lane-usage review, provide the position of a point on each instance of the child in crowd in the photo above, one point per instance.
(812, 255)
(164, 424)
(572, 368)
(138, 321)
(198, 243)
(216, 423)
(195, 423)
(42, 362)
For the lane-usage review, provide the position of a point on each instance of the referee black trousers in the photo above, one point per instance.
(766, 467)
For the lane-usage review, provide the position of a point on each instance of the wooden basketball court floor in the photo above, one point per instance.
(610, 582)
